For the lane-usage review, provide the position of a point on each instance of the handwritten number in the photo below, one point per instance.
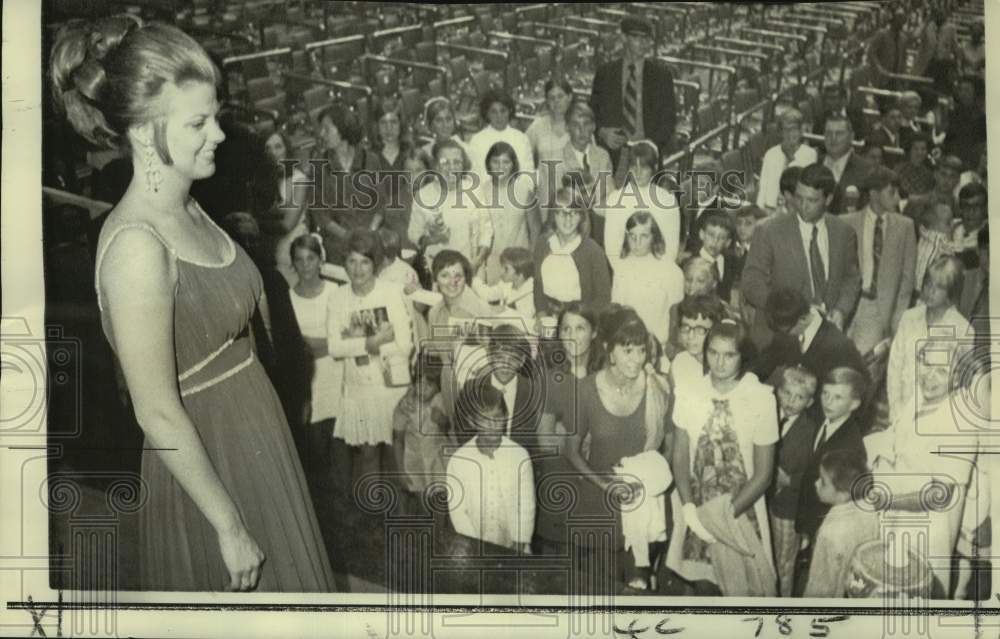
(760, 624)
(820, 628)
(784, 624)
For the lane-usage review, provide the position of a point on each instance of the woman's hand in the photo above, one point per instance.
(243, 558)
(384, 334)
(694, 523)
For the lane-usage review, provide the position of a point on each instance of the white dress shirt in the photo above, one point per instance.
(837, 166)
(808, 335)
(492, 499)
(831, 428)
(719, 261)
(822, 240)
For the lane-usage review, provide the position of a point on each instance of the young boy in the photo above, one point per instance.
(516, 288)
(716, 236)
(846, 527)
(795, 391)
(746, 220)
(697, 314)
(841, 429)
(491, 486)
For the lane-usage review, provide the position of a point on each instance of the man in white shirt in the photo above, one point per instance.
(791, 152)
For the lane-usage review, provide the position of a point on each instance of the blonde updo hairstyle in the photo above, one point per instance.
(109, 75)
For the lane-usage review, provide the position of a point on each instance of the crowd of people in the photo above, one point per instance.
(717, 376)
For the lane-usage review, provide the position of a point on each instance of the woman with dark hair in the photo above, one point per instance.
(547, 133)
(312, 299)
(392, 134)
(290, 210)
(643, 278)
(454, 322)
(496, 108)
(177, 296)
(352, 199)
(916, 174)
(509, 197)
(569, 266)
(723, 458)
(622, 410)
(368, 330)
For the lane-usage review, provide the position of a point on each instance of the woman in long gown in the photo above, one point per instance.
(225, 488)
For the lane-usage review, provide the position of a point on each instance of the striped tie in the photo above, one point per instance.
(631, 101)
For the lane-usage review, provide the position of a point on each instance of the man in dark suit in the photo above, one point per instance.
(810, 252)
(633, 98)
(848, 168)
(835, 103)
(804, 338)
(840, 429)
(510, 369)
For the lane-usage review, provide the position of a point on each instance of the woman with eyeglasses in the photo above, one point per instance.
(444, 215)
(569, 266)
(643, 278)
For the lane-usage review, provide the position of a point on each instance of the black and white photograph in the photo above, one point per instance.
(670, 315)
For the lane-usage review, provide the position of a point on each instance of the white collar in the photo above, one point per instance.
(809, 334)
(806, 227)
(557, 249)
(497, 384)
(714, 260)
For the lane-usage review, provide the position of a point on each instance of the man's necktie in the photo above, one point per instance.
(718, 269)
(822, 436)
(816, 267)
(631, 100)
(587, 177)
(876, 255)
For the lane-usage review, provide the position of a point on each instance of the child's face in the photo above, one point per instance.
(826, 491)
(507, 274)
(793, 399)
(715, 239)
(744, 228)
(935, 291)
(943, 217)
(692, 334)
(838, 401)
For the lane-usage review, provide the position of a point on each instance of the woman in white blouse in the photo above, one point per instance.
(547, 133)
(642, 195)
(496, 108)
(444, 214)
(727, 427)
(793, 151)
(311, 298)
(935, 315)
(368, 330)
(643, 278)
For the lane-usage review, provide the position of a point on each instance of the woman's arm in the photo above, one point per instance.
(138, 278)
(763, 468)
(339, 345)
(576, 459)
(681, 465)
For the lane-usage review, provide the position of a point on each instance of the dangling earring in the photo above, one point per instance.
(153, 176)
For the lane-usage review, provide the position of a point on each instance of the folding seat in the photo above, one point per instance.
(478, 40)
(318, 96)
(459, 68)
(255, 68)
(275, 103)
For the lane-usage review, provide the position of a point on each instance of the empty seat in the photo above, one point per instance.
(255, 68)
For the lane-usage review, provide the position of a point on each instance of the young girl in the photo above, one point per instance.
(491, 486)
(420, 434)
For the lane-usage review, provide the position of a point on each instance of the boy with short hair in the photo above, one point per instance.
(491, 485)
(795, 391)
(697, 314)
(846, 527)
(716, 236)
(841, 429)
